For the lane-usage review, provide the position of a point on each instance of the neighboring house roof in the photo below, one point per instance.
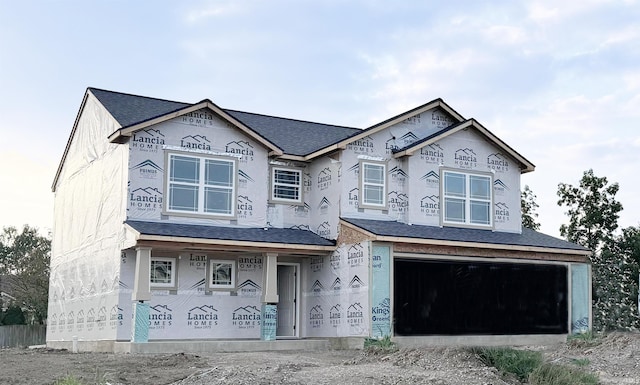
(525, 165)
(528, 240)
(231, 236)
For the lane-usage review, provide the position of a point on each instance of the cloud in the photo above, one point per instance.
(213, 9)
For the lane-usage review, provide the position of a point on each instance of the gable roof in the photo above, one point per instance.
(295, 240)
(528, 240)
(525, 165)
(283, 135)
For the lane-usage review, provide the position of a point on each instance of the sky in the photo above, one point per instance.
(559, 81)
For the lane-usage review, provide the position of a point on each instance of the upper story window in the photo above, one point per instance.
(466, 198)
(286, 185)
(163, 273)
(201, 185)
(373, 185)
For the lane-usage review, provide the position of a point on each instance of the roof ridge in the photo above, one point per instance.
(292, 119)
(139, 96)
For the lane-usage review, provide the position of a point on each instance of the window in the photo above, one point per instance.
(222, 274)
(201, 185)
(286, 185)
(467, 199)
(163, 273)
(373, 185)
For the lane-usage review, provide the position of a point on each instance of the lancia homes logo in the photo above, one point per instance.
(398, 202)
(316, 264)
(408, 138)
(160, 316)
(115, 317)
(355, 169)
(355, 255)
(247, 317)
(398, 175)
(306, 182)
(147, 169)
(198, 261)
(336, 285)
(244, 206)
(430, 205)
(324, 205)
(413, 120)
(71, 319)
(355, 315)
(80, 320)
(300, 211)
(501, 212)
(362, 146)
(91, 319)
(390, 145)
(440, 120)
(432, 179)
(324, 230)
(72, 293)
(53, 321)
(62, 322)
(244, 179)
(500, 187)
(317, 287)
(147, 140)
(335, 260)
(298, 227)
(249, 263)
(145, 199)
(249, 288)
(335, 315)
(195, 142)
(432, 153)
(353, 197)
(497, 162)
(382, 311)
(202, 317)
(241, 147)
(324, 179)
(356, 283)
(199, 118)
(102, 318)
(465, 158)
(316, 317)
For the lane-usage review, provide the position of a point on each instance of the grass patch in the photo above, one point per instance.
(520, 363)
(580, 361)
(553, 374)
(383, 344)
(583, 340)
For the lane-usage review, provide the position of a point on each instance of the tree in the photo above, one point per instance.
(528, 207)
(592, 209)
(24, 264)
(593, 218)
(13, 316)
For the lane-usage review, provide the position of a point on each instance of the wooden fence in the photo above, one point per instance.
(12, 336)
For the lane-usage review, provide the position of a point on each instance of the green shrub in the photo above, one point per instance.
(583, 340)
(383, 344)
(553, 374)
(521, 363)
(68, 380)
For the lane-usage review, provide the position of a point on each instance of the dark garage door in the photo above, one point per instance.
(445, 297)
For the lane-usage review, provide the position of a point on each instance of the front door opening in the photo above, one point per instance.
(287, 300)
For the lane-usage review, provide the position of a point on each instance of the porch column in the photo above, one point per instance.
(141, 293)
(269, 298)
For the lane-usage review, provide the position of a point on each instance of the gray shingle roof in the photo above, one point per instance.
(271, 235)
(527, 238)
(294, 137)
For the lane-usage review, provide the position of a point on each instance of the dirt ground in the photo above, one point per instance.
(615, 358)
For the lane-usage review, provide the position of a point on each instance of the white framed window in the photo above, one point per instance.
(201, 185)
(373, 185)
(286, 185)
(467, 198)
(221, 274)
(163, 273)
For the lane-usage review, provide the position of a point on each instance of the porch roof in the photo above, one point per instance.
(529, 240)
(268, 236)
